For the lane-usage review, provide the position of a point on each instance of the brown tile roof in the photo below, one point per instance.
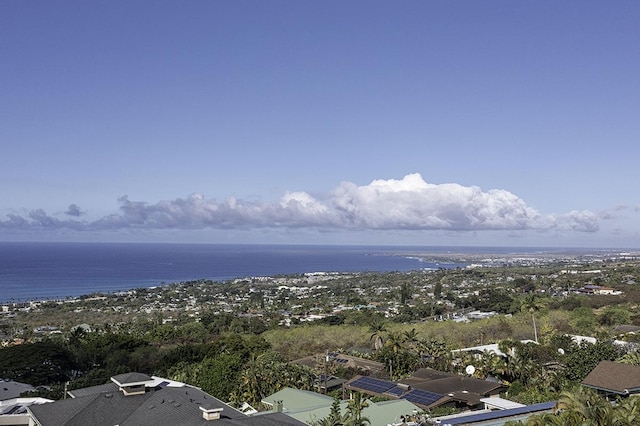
(453, 384)
(383, 388)
(464, 390)
(445, 383)
(614, 377)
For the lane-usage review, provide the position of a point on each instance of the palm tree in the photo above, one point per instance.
(631, 358)
(491, 364)
(524, 369)
(628, 412)
(334, 418)
(377, 328)
(394, 342)
(251, 381)
(435, 352)
(530, 303)
(357, 403)
(583, 406)
(411, 337)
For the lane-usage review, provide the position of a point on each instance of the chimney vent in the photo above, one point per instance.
(132, 383)
(210, 413)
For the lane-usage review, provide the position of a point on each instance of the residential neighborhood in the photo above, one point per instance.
(503, 344)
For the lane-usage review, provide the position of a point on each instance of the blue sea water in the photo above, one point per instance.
(40, 271)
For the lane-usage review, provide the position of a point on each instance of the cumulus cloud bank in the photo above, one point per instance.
(406, 204)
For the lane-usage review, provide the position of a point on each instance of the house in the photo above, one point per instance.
(291, 400)
(607, 291)
(592, 340)
(10, 389)
(316, 362)
(599, 290)
(465, 392)
(614, 379)
(135, 399)
(330, 360)
(13, 411)
(328, 383)
(626, 329)
(391, 390)
(310, 406)
(13, 408)
(493, 348)
(496, 417)
(428, 388)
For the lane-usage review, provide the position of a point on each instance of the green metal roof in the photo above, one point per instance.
(294, 399)
(308, 406)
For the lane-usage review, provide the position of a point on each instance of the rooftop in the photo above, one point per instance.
(308, 406)
(161, 403)
(10, 389)
(614, 377)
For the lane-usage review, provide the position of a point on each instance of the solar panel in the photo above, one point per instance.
(422, 397)
(396, 391)
(18, 409)
(498, 414)
(342, 360)
(372, 385)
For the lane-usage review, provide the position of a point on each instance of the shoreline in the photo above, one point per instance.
(435, 258)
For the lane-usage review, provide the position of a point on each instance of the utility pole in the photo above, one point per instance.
(326, 366)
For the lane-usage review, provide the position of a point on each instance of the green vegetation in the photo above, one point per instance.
(583, 406)
(352, 417)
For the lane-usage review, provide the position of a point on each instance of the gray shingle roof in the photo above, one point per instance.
(106, 406)
(107, 387)
(131, 378)
(10, 389)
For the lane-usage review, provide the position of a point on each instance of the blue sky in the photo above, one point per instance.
(342, 122)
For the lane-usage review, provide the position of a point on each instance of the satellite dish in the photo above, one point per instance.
(561, 351)
(470, 370)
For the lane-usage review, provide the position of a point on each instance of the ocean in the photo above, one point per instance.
(44, 271)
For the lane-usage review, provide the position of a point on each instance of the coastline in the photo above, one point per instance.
(59, 271)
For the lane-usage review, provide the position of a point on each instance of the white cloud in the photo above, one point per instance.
(585, 221)
(406, 204)
(411, 203)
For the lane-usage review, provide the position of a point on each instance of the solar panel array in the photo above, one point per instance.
(499, 414)
(372, 384)
(396, 391)
(334, 356)
(379, 386)
(419, 396)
